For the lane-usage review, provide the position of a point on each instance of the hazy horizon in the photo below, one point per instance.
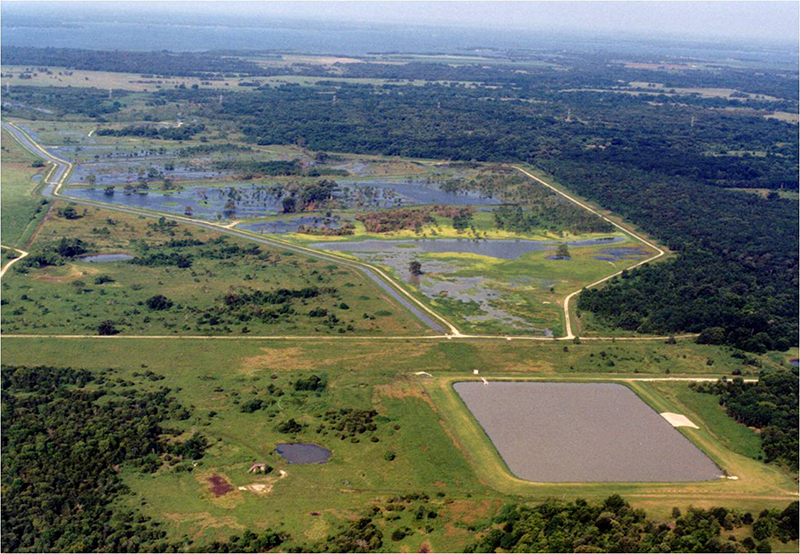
(702, 21)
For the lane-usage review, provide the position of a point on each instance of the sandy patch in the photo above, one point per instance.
(263, 487)
(678, 420)
(362, 355)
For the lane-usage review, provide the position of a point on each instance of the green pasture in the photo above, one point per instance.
(789, 194)
(733, 435)
(74, 298)
(438, 448)
(21, 210)
(60, 77)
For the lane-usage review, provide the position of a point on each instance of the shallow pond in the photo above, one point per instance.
(582, 432)
(504, 249)
(126, 171)
(101, 258)
(614, 254)
(385, 193)
(205, 202)
(303, 453)
(440, 281)
(281, 226)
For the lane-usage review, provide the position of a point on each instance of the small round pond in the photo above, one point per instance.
(303, 453)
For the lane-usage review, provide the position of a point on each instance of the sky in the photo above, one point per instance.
(745, 20)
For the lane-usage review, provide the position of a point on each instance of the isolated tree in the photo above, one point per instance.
(562, 251)
(415, 267)
(159, 302)
(70, 213)
(230, 207)
(289, 205)
(106, 328)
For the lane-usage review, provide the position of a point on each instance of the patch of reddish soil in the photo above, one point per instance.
(219, 486)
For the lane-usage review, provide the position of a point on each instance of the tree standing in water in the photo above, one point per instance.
(415, 268)
(562, 251)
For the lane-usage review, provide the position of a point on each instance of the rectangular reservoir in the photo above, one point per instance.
(582, 432)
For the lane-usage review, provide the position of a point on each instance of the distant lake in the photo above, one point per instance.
(109, 28)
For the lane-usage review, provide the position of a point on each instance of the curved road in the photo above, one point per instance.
(21, 253)
(568, 323)
(61, 169)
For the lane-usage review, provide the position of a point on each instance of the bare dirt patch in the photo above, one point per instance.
(278, 358)
(401, 390)
(362, 355)
(73, 274)
(219, 486)
(203, 521)
(469, 511)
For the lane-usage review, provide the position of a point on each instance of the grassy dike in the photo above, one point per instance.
(757, 485)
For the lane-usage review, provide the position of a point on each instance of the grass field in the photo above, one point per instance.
(790, 194)
(21, 210)
(61, 77)
(438, 448)
(75, 297)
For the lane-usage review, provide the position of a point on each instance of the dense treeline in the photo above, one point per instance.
(184, 132)
(162, 63)
(614, 526)
(498, 124)
(590, 70)
(253, 167)
(89, 102)
(66, 433)
(738, 263)
(769, 405)
(54, 253)
(205, 149)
